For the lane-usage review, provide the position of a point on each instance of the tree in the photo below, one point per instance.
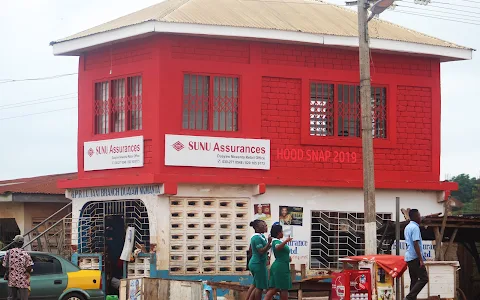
(467, 188)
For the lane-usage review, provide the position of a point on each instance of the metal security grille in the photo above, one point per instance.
(101, 108)
(118, 105)
(335, 110)
(379, 112)
(321, 109)
(348, 110)
(91, 224)
(208, 236)
(336, 235)
(210, 103)
(135, 102)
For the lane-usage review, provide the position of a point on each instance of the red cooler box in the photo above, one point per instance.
(352, 285)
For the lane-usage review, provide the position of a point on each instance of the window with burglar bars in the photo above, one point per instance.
(210, 103)
(336, 235)
(118, 105)
(338, 113)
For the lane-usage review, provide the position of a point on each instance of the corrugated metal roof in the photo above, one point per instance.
(308, 16)
(36, 185)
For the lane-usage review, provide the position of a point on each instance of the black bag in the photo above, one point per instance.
(7, 266)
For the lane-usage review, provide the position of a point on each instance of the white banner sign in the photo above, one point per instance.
(216, 152)
(428, 249)
(113, 154)
(115, 191)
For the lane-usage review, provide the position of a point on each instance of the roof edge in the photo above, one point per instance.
(76, 46)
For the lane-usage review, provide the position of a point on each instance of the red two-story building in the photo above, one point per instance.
(197, 116)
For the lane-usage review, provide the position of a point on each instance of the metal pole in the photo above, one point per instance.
(397, 243)
(367, 139)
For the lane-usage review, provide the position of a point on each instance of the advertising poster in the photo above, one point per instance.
(135, 290)
(385, 286)
(291, 215)
(263, 212)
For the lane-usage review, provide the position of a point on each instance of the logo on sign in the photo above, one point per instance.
(90, 152)
(178, 146)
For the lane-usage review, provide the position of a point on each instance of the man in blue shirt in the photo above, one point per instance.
(414, 255)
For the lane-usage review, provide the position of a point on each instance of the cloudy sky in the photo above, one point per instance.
(38, 119)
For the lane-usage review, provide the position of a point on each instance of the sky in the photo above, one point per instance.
(38, 119)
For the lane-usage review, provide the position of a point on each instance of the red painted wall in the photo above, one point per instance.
(274, 104)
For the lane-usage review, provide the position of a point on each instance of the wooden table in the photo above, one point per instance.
(312, 287)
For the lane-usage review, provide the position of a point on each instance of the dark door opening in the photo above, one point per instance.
(114, 240)
(8, 230)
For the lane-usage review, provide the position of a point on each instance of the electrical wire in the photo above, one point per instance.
(36, 79)
(433, 17)
(38, 113)
(438, 11)
(444, 3)
(35, 103)
(39, 99)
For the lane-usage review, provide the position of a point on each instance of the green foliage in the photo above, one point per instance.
(468, 193)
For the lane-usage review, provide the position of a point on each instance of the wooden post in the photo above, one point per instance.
(303, 271)
(439, 254)
(438, 242)
(293, 272)
(452, 239)
(370, 215)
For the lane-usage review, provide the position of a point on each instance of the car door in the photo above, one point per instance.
(3, 283)
(48, 280)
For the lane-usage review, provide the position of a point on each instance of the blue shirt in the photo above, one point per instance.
(412, 234)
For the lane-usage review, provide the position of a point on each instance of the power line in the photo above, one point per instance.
(35, 100)
(35, 103)
(433, 17)
(36, 79)
(39, 113)
(445, 3)
(442, 12)
(472, 1)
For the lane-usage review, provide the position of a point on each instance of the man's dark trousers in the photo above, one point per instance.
(419, 278)
(17, 294)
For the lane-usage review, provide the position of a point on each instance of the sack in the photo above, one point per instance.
(7, 266)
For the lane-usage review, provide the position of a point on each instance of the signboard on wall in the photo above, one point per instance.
(217, 152)
(428, 249)
(119, 192)
(113, 154)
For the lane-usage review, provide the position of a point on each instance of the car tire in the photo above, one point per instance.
(74, 296)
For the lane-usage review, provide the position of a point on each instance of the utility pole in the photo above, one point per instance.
(370, 215)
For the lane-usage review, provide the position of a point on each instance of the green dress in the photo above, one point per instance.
(258, 262)
(280, 270)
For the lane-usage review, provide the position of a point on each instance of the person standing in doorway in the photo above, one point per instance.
(259, 246)
(414, 255)
(18, 265)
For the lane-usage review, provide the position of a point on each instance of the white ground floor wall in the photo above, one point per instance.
(182, 225)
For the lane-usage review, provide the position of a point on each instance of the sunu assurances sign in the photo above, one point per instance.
(113, 154)
(217, 152)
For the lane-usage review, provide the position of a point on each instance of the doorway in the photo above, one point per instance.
(8, 230)
(102, 227)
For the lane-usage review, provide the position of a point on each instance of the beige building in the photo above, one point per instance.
(27, 202)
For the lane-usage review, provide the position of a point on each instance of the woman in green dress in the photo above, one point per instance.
(259, 246)
(280, 280)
